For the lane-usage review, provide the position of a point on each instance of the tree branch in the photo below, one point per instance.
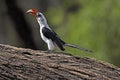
(26, 64)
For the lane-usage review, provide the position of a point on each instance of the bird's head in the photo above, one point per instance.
(40, 17)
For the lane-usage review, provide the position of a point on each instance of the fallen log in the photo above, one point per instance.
(26, 64)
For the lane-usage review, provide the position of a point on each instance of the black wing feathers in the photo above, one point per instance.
(53, 36)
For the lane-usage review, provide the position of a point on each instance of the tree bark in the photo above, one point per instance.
(26, 64)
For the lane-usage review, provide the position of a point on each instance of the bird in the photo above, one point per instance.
(48, 35)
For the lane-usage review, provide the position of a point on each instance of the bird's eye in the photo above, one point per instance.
(39, 15)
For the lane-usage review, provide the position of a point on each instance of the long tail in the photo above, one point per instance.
(74, 46)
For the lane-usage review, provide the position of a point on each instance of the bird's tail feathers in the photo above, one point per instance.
(59, 44)
(78, 47)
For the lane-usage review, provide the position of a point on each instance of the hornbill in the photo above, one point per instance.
(48, 35)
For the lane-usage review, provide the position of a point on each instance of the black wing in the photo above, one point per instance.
(53, 36)
(59, 38)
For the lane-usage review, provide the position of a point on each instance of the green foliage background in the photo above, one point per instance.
(93, 24)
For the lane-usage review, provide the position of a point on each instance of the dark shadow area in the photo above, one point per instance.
(21, 26)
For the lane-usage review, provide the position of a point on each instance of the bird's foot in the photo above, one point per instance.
(47, 51)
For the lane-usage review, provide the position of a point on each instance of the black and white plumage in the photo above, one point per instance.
(48, 35)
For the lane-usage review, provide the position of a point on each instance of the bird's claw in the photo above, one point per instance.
(47, 51)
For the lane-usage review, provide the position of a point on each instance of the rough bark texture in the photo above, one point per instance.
(27, 64)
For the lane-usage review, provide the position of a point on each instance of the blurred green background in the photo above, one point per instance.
(92, 24)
